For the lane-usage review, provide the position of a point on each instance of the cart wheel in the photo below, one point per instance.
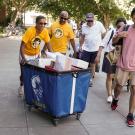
(55, 122)
(78, 115)
(36, 107)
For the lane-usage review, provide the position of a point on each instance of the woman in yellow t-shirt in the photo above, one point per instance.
(30, 45)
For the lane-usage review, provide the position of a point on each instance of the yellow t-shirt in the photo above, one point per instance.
(60, 36)
(33, 41)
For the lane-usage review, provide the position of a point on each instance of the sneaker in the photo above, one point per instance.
(20, 91)
(114, 104)
(91, 83)
(130, 120)
(109, 99)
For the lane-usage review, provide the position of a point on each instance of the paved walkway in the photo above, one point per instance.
(15, 119)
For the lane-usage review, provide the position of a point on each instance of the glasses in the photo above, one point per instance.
(62, 18)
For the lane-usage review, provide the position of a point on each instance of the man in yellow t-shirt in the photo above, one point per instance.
(61, 33)
(30, 45)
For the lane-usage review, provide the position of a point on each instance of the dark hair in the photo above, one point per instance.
(39, 18)
(121, 20)
(133, 12)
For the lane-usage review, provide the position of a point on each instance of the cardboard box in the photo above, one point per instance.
(52, 55)
(80, 63)
(63, 63)
(45, 62)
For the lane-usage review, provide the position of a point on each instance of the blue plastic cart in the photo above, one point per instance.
(57, 93)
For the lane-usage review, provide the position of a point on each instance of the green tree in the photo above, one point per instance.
(106, 10)
(15, 8)
(132, 1)
(1, 3)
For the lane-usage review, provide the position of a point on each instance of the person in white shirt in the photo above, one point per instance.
(107, 67)
(91, 41)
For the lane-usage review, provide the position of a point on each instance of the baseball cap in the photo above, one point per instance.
(89, 16)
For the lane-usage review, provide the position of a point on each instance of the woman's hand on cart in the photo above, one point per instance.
(43, 54)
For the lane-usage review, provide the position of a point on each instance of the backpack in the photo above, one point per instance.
(113, 55)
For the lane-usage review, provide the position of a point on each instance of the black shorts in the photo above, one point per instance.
(89, 56)
(107, 67)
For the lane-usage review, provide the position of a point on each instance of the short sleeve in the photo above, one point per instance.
(26, 35)
(46, 37)
(50, 30)
(107, 38)
(84, 29)
(103, 30)
(71, 33)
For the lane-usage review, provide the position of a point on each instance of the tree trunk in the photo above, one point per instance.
(3, 14)
(106, 20)
(15, 17)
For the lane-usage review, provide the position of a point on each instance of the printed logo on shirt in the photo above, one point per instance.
(36, 41)
(58, 33)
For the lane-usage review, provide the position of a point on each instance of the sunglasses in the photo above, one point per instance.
(89, 20)
(42, 23)
(62, 18)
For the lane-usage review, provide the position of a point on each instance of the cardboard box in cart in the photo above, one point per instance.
(57, 93)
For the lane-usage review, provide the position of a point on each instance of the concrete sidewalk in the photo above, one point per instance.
(15, 119)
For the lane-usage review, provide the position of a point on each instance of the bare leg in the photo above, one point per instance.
(21, 76)
(132, 100)
(117, 91)
(93, 69)
(20, 89)
(109, 84)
